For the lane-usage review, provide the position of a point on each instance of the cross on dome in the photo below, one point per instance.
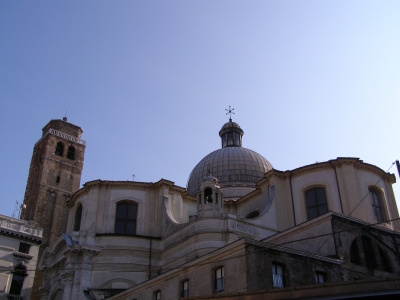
(230, 112)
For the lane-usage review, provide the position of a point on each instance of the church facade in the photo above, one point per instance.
(240, 226)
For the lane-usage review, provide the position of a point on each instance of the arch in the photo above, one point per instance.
(369, 252)
(59, 149)
(71, 153)
(355, 253)
(125, 218)
(78, 218)
(57, 295)
(316, 202)
(385, 261)
(377, 204)
(208, 195)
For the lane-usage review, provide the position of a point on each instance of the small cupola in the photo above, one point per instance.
(231, 134)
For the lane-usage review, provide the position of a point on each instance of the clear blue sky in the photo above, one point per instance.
(149, 82)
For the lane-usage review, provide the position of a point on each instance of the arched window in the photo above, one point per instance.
(316, 202)
(355, 253)
(71, 153)
(59, 149)
(125, 221)
(208, 195)
(377, 207)
(78, 218)
(17, 280)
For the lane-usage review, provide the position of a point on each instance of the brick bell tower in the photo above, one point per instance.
(54, 175)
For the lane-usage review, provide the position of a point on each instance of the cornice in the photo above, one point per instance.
(83, 248)
(257, 192)
(291, 251)
(262, 182)
(31, 238)
(126, 184)
(331, 215)
(338, 162)
(300, 227)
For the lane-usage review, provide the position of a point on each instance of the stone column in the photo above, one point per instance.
(67, 281)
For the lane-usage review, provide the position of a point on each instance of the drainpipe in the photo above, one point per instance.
(151, 240)
(337, 185)
(291, 192)
(334, 238)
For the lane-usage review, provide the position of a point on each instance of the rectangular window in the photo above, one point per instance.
(185, 289)
(319, 277)
(377, 207)
(157, 295)
(237, 139)
(277, 276)
(219, 279)
(17, 284)
(24, 248)
(316, 202)
(125, 222)
(230, 138)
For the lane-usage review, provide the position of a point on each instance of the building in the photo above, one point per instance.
(19, 247)
(54, 175)
(241, 226)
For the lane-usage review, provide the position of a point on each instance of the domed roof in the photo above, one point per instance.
(230, 124)
(232, 165)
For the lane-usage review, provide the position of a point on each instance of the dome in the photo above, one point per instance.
(232, 165)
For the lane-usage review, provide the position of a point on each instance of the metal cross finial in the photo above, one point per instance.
(230, 112)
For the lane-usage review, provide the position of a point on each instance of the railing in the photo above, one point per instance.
(20, 226)
(14, 297)
(277, 281)
(219, 284)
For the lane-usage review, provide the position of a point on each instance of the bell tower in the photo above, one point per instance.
(209, 198)
(54, 175)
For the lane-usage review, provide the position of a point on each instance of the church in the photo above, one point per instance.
(241, 229)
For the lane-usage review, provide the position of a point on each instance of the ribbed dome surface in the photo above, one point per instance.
(230, 124)
(232, 166)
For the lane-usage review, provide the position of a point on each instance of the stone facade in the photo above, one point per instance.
(19, 248)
